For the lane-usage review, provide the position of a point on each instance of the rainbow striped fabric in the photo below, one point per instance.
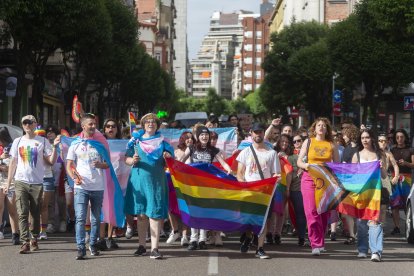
(355, 189)
(279, 200)
(207, 201)
(400, 191)
(132, 122)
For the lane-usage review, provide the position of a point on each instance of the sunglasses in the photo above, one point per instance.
(110, 126)
(297, 141)
(27, 122)
(382, 141)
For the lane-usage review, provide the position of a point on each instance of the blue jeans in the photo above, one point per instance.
(369, 233)
(82, 199)
(297, 201)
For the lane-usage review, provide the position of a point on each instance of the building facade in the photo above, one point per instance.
(181, 62)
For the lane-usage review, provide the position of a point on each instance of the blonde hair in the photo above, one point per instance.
(328, 135)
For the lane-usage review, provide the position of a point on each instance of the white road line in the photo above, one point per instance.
(213, 264)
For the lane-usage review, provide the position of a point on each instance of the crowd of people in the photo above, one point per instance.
(35, 189)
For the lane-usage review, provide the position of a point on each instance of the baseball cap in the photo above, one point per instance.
(29, 117)
(258, 126)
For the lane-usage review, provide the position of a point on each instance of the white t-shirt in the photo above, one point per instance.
(84, 154)
(269, 162)
(30, 162)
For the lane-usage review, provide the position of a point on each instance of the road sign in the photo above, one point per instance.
(409, 103)
(337, 109)
(337, 96)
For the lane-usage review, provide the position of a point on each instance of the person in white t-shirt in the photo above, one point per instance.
(86, 167)
(27, 165)
(248, 171)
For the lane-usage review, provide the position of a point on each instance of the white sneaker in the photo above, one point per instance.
(129, 233)
(184, 241)
(50, 229)
(1, 236)
(322, 249)
(218, 241)
(223, 235)
(173, 237)
(316, 252)
(62, 227)
(42, 236)
(362, 255)
(375, 257)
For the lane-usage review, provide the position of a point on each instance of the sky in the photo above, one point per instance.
(200, 11)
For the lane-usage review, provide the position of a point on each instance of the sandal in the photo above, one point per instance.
(349, 241)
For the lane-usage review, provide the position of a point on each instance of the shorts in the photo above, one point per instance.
(68, 188)
(49, 184)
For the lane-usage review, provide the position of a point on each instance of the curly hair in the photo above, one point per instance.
(289, 149)
(352, 133)
(328, 135)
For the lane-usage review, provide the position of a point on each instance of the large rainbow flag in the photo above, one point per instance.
(400, 191)
(355, 189)
(207, 201)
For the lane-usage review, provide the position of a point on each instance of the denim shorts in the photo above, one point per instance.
(49, 184)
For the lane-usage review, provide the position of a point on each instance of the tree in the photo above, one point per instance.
(298, 69)
(360, 57)
(214, 103)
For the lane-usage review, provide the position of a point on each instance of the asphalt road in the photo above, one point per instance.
(57, 257)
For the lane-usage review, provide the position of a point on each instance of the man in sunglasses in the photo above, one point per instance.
(29, 154)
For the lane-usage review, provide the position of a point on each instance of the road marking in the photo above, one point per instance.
(213, 264)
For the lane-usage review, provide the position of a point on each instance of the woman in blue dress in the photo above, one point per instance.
(147, 190)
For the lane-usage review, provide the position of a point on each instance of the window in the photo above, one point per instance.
(258, 74)
(259, 60)
(259, 34)
(248, 47)
(259, 48)
(248, 74)
(247, 87)
(248, 34)
(248, 60)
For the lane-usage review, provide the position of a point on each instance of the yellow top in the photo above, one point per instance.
(320, 152)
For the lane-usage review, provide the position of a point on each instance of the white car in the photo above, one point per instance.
(409, 233)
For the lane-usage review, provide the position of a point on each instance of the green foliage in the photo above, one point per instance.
(297, 69)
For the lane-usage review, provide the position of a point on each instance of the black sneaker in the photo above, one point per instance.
(333, 236)
(245, 245)
(277, 239)
(243, 237)
(269, 238)
(396, 231)
(155, 254)
(15, 239)
(94, 251)
(111, 244)
(193, 246)
(70, 226)
(141, 251)
(101, 245)
(202, 245)
(81, 254)
(260, 253)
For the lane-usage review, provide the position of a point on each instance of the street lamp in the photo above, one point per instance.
(334, 77)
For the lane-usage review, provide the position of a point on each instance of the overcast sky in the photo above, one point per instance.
(200, 11)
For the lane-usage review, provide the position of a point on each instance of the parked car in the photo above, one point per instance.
(409, 220)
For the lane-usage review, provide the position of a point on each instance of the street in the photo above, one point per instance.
(57, 257)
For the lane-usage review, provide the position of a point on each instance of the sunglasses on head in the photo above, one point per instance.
(27, 122)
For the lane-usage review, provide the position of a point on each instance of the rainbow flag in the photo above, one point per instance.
(400, 191)
(354, 188)
(279, 199)
(207, 201)
(132, 122)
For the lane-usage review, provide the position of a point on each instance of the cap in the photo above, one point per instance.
(29, 117)
(202, 129)
(258, 126)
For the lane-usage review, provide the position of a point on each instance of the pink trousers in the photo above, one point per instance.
(316, 223)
